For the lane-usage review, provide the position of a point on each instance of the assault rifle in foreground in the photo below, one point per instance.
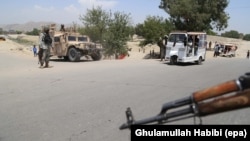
(213, 100)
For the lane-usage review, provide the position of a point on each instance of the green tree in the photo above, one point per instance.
(197, 15)
(131, 31)
(231, 34)
(81, 30)
(246, 37)
(35, 32)
(112, 30)
(210, 32)
(96, 23)
(18, 32)
(117, 35)
(139, 29)
(155, 27)
(153, 31)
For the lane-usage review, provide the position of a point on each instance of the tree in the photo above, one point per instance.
(210, 32)
(96, 23)
(131, 29)
(153, 31)
(246, 37)
(117, 35)
(155, 27)
(18, 32)
(111, 30)
(197, 15)
(231, 34)
(139, 29)
(35, 31)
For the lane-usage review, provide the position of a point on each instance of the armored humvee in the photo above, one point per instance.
(70, 45)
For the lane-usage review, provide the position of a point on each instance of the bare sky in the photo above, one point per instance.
(68, 11)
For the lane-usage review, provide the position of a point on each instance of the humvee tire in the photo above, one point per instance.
(96, 56)
(73, 55)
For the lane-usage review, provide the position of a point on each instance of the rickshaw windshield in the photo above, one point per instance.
(176, 38)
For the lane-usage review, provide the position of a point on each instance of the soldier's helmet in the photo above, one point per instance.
(45, 29)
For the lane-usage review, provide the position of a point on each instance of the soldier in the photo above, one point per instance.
(162, 46)
(44, 47)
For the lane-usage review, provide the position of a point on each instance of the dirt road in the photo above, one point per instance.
(87, 100)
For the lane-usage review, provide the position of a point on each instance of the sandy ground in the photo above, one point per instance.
(135, 53)
(15, 48)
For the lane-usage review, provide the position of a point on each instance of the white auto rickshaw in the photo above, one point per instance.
(183, 47)
(228, 50)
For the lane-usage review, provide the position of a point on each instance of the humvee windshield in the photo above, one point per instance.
(56, 39)
(176, 38)
(83, 39)
(71, 38)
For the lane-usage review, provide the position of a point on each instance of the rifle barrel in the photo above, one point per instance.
(160, 118)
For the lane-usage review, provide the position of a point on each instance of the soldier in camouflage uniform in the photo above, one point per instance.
(44, 49)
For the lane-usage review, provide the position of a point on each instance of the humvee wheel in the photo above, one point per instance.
(96, 56)
(73, 55)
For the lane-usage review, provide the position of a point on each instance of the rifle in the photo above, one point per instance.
(212, 100)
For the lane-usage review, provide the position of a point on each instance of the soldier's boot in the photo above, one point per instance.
(41, 64)
(46, 64)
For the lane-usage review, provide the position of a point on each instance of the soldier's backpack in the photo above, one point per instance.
(47, 39)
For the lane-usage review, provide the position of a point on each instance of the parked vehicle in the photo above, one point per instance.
(70, 45)
(183, 47)
(227, 50)
(2, 38)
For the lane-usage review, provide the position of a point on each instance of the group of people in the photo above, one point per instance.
(43, 51)
(193, 44)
